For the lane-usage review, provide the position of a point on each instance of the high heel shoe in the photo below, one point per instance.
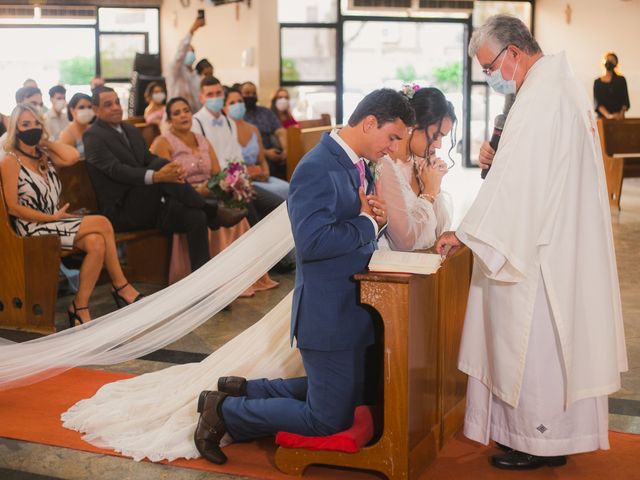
(121, 302)
(73, 315)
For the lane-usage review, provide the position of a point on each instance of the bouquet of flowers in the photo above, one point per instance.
(232, 185)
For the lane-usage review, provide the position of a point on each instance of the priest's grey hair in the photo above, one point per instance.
(502, 30)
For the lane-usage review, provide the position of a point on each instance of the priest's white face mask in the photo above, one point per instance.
(498, 82)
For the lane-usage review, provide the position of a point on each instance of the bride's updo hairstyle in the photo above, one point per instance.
(431, 108)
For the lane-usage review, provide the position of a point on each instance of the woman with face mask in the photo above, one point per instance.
(417, 209)
(252, 148)
(610, 92)
(31, 188)
(80, 114)
(199, 161)
(156, 96)
(281, 106)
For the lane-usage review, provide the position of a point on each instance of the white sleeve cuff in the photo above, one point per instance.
(148, 177)
(375, 225)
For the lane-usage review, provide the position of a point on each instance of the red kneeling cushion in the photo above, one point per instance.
(348, 441)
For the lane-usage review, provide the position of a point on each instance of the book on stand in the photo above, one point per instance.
(404, 262)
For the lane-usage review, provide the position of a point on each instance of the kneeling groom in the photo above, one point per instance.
(335, 225)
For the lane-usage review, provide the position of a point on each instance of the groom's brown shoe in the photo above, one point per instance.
(210, 428)
(233, 386)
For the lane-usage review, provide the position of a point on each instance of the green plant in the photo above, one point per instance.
(289, 69)
(448, 77)
(406, 74)
(77, 70)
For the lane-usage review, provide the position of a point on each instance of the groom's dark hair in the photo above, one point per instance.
(386, 105)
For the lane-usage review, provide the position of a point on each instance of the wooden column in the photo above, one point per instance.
(423, 390)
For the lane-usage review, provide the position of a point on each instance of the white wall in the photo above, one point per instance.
(597, 26)
(229, 30)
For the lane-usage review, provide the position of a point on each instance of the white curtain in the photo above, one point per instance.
(157, 320)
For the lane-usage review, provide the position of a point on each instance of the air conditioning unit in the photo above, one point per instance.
(417, 6)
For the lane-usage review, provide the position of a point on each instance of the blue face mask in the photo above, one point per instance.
(499, 84)
(237, 111)
(189, 58)
(215, 104)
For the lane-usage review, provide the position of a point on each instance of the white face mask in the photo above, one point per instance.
(84, 116)
(158, 97)
(59, 104)
(499, 84)
(282, 104)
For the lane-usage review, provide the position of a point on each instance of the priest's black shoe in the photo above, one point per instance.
(233, 386)
(504, 448)
(210, 428)
(515, 460)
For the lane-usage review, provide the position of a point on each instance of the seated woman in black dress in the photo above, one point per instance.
(610, 90)
(31, 190)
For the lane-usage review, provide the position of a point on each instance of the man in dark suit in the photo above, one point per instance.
(335, 225)
(137, 190)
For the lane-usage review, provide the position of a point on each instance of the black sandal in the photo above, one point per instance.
(73, 315)
(121, 302)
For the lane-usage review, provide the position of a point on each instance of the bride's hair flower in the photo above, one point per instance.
(232, 185)
(408, 90)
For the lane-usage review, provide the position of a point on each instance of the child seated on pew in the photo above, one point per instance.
(31, 189)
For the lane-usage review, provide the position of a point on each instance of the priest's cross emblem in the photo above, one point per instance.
(541, 428)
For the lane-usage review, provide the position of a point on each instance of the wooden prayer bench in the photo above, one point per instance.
(424, 392)
(299, 142)
(620, 141)
(29, 266)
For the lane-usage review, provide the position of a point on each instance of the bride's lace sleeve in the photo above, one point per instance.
(412, 222)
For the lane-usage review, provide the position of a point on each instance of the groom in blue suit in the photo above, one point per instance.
(335, 219)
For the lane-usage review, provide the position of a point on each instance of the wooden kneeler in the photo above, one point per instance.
(423, 391)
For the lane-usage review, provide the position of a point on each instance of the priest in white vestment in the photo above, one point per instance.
(543, 340)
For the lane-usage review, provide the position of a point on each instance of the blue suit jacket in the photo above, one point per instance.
(333, 242)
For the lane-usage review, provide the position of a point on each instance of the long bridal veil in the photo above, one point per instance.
(154, 415)
(157, 320)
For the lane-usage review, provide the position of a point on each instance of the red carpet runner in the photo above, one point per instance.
(32, 414)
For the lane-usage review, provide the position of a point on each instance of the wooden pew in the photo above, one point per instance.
(323, 121)
(147, 252)
(424, 393)
(29, 269)
(29, 266)
(299, 142)
(620, 142)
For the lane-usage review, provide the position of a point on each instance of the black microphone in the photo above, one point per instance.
(498, 125)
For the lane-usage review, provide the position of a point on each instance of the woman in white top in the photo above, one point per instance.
(417, 210)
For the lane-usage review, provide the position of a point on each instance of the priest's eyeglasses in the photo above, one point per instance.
(489, 68)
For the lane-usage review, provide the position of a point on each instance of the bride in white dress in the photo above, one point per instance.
(154, 415)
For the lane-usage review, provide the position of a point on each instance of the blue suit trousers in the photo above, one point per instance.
(320, 404)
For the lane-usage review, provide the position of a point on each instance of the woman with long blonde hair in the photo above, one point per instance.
(31, 188)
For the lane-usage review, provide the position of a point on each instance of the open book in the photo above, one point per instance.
(404, 262)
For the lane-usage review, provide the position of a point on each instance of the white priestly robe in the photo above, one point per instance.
(544, 274)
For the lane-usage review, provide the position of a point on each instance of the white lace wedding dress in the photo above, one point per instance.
(154, 415)
(413, 223)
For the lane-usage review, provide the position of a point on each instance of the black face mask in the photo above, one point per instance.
(30, 137)
(250, 102)
(609, 66)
